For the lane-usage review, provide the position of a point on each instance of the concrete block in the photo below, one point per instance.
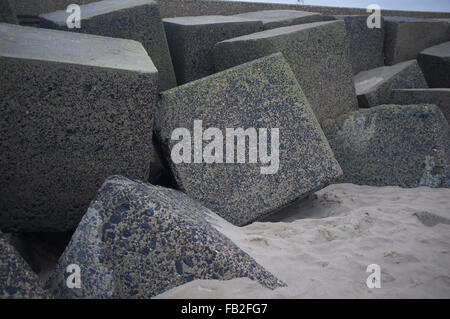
(137, 20)
(317, 53)
(260, 95)
(191, 41)
(75, 109)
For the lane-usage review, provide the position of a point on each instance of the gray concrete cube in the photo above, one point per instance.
(191, 41)
(317, 53)
(75, 109)
(262, 94)
(366, 45)
(138, 20)
(138, 240)
(435, 64)
(392, 145)
(406, 37)
(374, 87)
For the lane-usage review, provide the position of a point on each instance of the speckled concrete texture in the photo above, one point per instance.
(317, 53)
(191, 41)
(75, 109)
(7, 12)
(272, 19)
(17, 280)
(138, 240)
(137, 20)
(406, 37)
(392, 145)
(439, 97)
(366, 45)
(260, 94)
(435, 64)
(374, 87)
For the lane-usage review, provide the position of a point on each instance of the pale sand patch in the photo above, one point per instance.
(321, 247)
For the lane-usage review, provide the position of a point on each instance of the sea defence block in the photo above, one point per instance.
(406, 37)
(317, 53)
(17, 280)
(191, 41)
(374, 87)
(366, 45)
(272, 19)
(7, 12)
(392, 145)
(75, 109)
(439, 97)
(138, 20)
(258, 98)
(138, 240)
(435, 64)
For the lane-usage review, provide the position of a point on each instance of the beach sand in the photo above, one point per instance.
(321, 247)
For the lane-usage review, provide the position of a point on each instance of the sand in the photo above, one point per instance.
(321, 247)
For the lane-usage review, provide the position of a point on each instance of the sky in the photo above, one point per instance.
(410, 5)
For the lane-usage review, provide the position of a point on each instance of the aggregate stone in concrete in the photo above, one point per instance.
(138, 240)
(75, 109)
(439, 97)
(374, 87)
(191, 41)
(392, 145)
(366, 45)
(7, 12)
(138, 20)
(435, 64)
(17, 280)
(272, 19)
(317, 53)
(261, 94)
(406, 37)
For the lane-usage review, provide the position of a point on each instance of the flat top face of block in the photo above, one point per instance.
(365, 81)
(280, 31)
(440, 50)
(74, 48)
(267, 16)
(262, 94)
(206, 20)
(95, 9)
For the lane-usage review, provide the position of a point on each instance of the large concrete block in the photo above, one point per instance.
(374, 87)
(439, 97)
(75, 109)
(366, 45)
(138, 20)
(272, 19)
(191, 41)
(400, 145)
(262, 94)
(138, 240)
(17, 280)
(7, 12)
(406, 37)
(317, 53)
(435, 64)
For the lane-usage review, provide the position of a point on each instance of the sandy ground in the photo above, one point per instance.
(321, 247)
